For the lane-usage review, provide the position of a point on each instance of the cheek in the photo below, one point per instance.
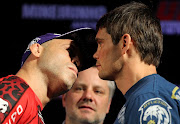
(107, 59)
(72, 99)
(103, 105)
(63, 57)
(102, 101)
(104, 55)
(116, 58)
(69, 104)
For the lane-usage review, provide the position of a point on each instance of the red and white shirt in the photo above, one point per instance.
(18, 103)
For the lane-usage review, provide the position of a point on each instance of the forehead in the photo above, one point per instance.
(89, 77)
(102, 34)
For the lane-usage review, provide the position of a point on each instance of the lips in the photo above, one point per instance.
(86, 107)
(74, 69)
(98, 66)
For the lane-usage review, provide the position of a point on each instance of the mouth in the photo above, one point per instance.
(74, 70)
(85, 107)
(98, 66)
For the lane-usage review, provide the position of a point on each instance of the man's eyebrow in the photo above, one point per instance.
(98, 86)
(80, 84)
(98, 39)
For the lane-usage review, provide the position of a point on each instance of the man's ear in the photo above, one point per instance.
(36, 49)
(126, 43)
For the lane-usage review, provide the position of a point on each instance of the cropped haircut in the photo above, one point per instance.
(137, 20)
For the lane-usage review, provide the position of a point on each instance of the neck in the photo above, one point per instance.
(131, 74)
(36, 81)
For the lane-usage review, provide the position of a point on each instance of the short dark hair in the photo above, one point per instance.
(137, 20)
(85, 46)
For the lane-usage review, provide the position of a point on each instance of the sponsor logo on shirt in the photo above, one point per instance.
(121, 115)
(3, 106)
(11, 90)
(176, 93)
(17, 112)
(155, 111)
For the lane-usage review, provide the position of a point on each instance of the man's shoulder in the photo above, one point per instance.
(149, 108)
(156, 86)
(18, 102)
(157, 100)
(12, 89)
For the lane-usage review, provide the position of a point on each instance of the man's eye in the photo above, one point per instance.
(79, 88)
(99, 44)
(98, 92)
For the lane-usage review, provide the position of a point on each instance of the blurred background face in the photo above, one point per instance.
(88, 100)
(56, 63)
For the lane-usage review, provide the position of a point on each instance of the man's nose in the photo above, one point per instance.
(95, 56)
(88, 96)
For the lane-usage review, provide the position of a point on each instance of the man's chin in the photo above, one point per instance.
(87, 121)
(103, 76)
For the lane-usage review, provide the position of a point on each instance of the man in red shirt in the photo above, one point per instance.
(49, 69)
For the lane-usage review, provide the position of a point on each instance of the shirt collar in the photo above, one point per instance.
(138, 85)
